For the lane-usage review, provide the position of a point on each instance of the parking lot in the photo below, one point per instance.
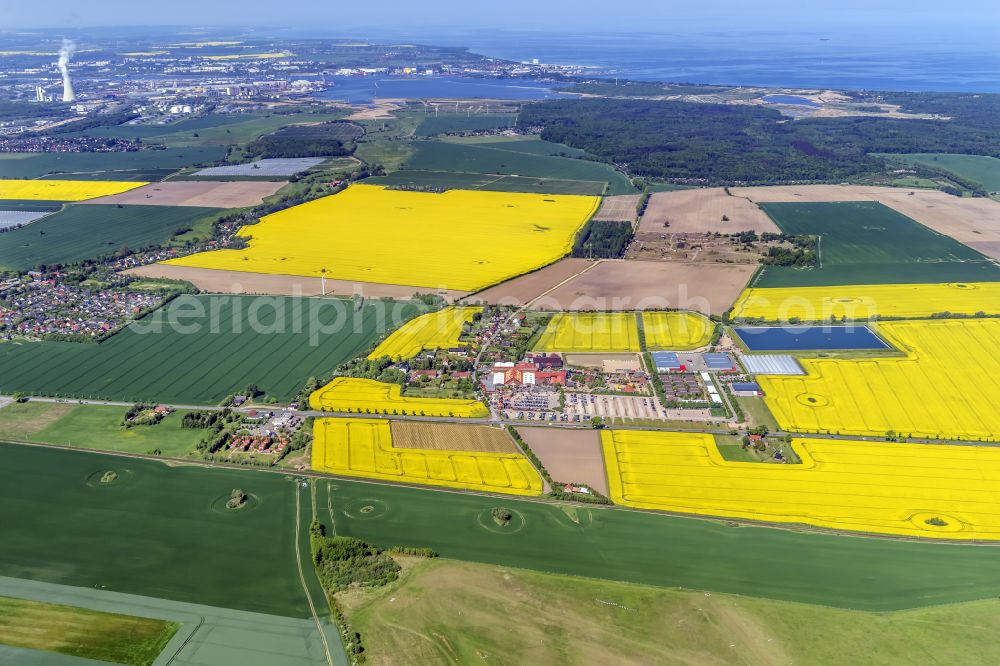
(637, 407)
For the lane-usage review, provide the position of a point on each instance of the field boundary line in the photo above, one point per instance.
(527, 305)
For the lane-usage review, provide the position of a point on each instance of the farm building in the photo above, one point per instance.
(746, 389)
(667, 362)
(719, 362)
(772, 364)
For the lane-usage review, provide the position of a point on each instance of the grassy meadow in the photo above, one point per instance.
(977, 168)
(95, 166)
(464, 612)
(79, 632)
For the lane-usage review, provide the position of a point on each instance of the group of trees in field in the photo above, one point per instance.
(602, 240)
(719, 144)
(324, 140)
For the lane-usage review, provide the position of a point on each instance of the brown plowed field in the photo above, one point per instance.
(236, 282)
(615, 284)
(701, 211)
(523, 289)
(213, 194)
(451, 437)
(617, 209)
(571, 455)
(973, 221)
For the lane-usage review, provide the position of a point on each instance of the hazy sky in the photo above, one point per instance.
(425, 17)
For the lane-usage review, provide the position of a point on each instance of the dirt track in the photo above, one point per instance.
(616, 284)
(522, 290)
(235, 194)
(975, 222)
(235, 282)
(701, 211)
(570, 456)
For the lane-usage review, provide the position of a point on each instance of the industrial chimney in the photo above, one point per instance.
(65, 53)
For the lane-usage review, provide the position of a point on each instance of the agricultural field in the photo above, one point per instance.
(62, 190)
(526, 288)
(870, 243)
(196, 193)
(364, 448)
(867, 301)
(275, 167)
(476, 611)
(446, 124)
(239, 282)
(621, 208)
(590, 332)
(443, 180)
(699, 211)
(969, 220)
(14, 218)
(95, 427)
(367, 396)
(614, 284)
(570, 455)
(663, 550)
(676, 330)
(80, 632)
(409, 238)
(104, 166)
(510, 159)
(917, 490)
(977, 168)
(82, 232)
(946, 386)
(434, 330)
(216, 345)
(197, 551)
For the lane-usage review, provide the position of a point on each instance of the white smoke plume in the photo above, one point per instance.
(66, 52)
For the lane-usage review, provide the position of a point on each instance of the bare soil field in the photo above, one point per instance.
(702, 211)
(451, 437)
(696, 248)
(380, 109)
(616, 284)
(606, 362)
(975, 222)
(236, 282)
(523, 289)
(570, 455)
(620, 208)
(196, 193)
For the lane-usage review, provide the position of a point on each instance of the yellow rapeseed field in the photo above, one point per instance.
(590, 332)
(947, 385)
(676, 330)
(367, 396)
(363, 448)
(458, 239)
(434, 330)
(63, 190)
(914, 490)
(862, 301)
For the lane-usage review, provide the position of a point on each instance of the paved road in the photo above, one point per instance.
(4, 399)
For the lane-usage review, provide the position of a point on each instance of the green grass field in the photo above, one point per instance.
(477, 181)
(199, 349)
(157, 530)
(869, 243)
(467, 613)
(977, 168)
(439, 124)
(90, 231)
(491, 159)
(79, 632)
(638, 547)
(85, 166)
(19, 204)
(95, 427)
(531, 144)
